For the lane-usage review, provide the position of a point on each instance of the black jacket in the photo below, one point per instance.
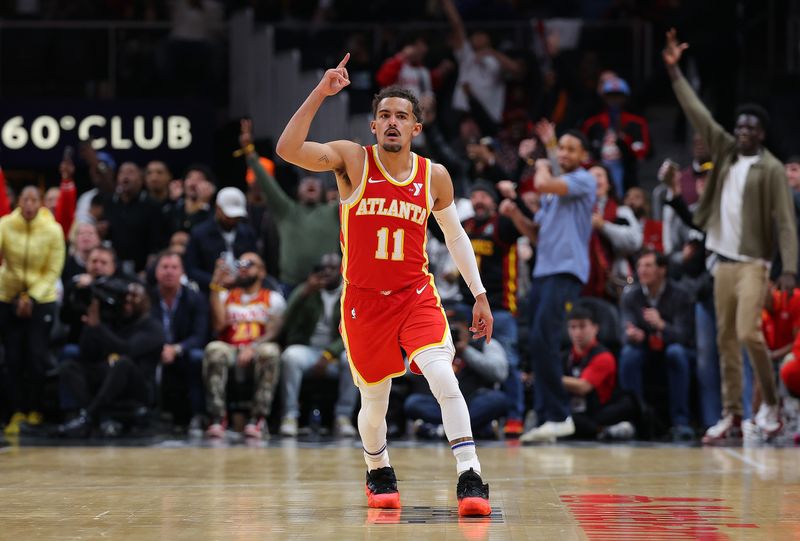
(134, 228)
(140, 340)
(206, 244)
(190, 321)
(674, 306)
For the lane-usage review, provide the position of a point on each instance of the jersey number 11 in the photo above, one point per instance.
(383, 244)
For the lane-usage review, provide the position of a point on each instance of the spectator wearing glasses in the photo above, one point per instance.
(246, 320)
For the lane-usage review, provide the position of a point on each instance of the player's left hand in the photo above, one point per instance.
(482, 320)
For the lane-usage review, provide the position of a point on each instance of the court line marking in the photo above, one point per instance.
(338, 482)
(749, 461)
(5, 450)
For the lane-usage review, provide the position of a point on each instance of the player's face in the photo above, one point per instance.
(570, 153)
(395, 125)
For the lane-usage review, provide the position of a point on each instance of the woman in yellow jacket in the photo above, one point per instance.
(32, 248)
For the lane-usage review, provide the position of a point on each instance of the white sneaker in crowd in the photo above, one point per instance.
(768, 419)
(621, 431)
(343, 427)
(288, 427)
(727, 430)
(549, 431)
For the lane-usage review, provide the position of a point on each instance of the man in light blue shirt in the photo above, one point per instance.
(562, 268)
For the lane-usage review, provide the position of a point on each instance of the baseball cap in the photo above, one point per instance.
(232, 202)
(616, 85)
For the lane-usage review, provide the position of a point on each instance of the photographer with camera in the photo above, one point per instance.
(101, 262)
(480, 367)
(120, 347)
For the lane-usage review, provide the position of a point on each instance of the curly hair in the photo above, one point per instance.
(397, 92)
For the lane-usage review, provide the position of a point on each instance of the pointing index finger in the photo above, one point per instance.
(343, 63)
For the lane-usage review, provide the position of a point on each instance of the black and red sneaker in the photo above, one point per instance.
(382, 490)
(473, 495)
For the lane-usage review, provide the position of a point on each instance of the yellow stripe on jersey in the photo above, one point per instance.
(389, 177)
(345, 218)
(428, 208)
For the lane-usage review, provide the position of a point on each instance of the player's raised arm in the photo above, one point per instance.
(460, 248)
(292, 145)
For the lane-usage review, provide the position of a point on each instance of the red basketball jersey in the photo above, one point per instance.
(384, 225)
(246, 320)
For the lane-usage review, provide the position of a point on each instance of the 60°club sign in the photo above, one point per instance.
(33, 133)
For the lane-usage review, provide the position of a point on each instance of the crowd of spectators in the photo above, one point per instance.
(180, 295)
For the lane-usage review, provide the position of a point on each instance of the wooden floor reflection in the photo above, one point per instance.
(297, 491)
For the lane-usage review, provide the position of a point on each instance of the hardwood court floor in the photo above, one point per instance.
(288, 490)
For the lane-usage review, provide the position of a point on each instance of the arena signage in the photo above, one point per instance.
(34, 133)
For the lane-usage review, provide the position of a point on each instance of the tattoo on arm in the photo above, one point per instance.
(324, 159)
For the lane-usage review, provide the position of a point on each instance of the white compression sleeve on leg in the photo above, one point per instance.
(460, 247)
(437, 367)
(372, 423)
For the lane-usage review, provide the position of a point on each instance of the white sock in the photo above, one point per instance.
(372, 423)
(466, 457)
(436, 366)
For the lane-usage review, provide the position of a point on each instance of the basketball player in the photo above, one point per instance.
(389, 300)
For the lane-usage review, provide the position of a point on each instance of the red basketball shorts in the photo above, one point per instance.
(376, 325)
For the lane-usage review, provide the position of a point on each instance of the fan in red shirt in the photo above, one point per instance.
(780, 321)
(389, 299)
(599, 410)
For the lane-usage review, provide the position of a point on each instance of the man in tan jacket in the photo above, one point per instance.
(746, 212)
